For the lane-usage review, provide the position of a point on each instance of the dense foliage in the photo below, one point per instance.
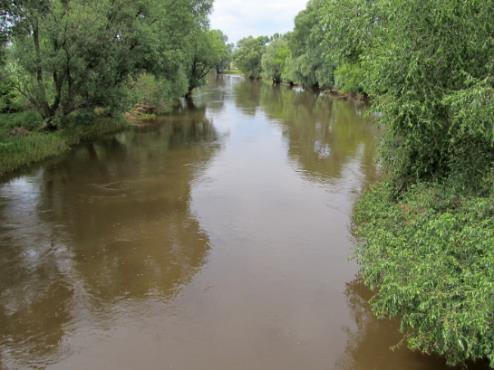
(427, 232)
(248, 55)
(71, 55)
(431, 74)
(309, 65)
(430, 258)
(75, 62)
(274, 60)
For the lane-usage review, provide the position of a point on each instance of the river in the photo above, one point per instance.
(217, 239)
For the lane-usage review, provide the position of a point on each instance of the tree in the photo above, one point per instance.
(182, 46)
(275, 59)
(204, 56)
(349, 31)
(426, 76)
(221, 49)
(209, 50)
(349, 28)
(248, 56)
(77, 54)
(73, 55)
(309, 65)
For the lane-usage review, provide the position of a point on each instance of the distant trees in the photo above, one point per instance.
(209, 51)
(221, 49)
(275, 59)
(248, 56)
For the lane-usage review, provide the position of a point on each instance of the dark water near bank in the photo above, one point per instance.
(218, 240)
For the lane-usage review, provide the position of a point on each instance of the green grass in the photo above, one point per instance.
(19, 148)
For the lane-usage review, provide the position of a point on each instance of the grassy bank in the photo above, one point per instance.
(430, 258)
(23, 143)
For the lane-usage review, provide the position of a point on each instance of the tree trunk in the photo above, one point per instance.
(41, 100)
(188, 96)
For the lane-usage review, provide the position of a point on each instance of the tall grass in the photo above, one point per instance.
(23, 143)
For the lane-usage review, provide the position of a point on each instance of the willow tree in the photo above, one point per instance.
(310, 66)
(248, 56)
(428, 234)
(73, 55)
(209, 51)
(432, 74)
(222, 50)
(275, 58)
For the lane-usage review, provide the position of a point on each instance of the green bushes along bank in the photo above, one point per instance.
(430, 258)
(23, 143)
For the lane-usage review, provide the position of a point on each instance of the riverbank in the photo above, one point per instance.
(355, 97)
(22, 143)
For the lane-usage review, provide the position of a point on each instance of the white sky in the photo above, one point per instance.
(240, 18)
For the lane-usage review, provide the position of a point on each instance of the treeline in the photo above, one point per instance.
(66, 57)
(427, 230)
(324, 51)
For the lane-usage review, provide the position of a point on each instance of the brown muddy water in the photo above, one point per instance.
(219, 239)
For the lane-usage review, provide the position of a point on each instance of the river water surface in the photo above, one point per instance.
(218, 239)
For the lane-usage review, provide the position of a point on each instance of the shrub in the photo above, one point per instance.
(430, 258)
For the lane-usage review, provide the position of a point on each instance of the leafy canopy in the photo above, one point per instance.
(248, 56)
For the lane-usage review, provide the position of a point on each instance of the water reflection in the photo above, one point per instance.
(216, 239)
(111, 222)
(323, 134)
(247, 96)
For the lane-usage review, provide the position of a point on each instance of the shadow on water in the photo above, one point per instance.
(108, 224)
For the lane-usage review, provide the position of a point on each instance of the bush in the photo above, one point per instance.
(30, 120)
(157, 92)
(430, 258)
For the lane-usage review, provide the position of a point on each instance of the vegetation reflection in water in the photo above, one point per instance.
(111, 229)
(110, 222)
